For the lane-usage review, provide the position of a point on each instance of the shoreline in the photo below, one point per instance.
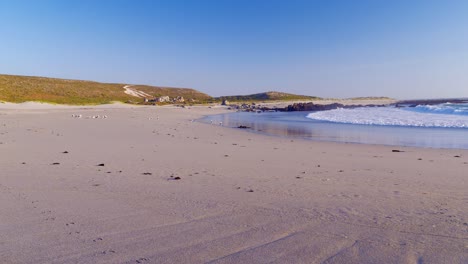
(294, 125)
(36, 106)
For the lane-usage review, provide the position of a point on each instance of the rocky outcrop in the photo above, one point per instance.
(163, 99)
(298, 107)
(178, 99)
(413, 103)
(167, 99)
(312, 107)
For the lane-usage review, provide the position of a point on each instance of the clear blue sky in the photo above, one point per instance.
(328, 48)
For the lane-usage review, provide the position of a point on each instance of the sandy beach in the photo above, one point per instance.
(150, 185)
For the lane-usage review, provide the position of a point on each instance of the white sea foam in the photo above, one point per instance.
(390, 116)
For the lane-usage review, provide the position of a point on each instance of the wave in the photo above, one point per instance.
(391, 116)
(447, 109)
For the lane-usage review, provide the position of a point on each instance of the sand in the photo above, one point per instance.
(136, 93)
(170, 190)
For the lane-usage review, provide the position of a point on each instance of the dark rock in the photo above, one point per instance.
(100, 165)
(244, 127)
(302, 107)
(414, 103)
(396, 150)
(312, 107)
(55, 163)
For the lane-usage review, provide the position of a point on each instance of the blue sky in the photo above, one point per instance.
(328, 48)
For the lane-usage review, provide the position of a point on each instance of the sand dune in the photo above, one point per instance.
(76, 190)
(134, 92)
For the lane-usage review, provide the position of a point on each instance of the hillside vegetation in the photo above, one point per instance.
(18, 89)
(268, 96)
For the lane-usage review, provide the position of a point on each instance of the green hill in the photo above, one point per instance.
(371, 98)
(268, 96)
(19, 89)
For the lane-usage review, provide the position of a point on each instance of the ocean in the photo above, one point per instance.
(434, 126)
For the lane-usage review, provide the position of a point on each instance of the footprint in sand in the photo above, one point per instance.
(108, 251)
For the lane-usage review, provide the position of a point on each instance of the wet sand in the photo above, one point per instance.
(148, 185)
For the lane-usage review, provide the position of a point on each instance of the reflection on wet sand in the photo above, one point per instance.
(296, 125)
(276, 127)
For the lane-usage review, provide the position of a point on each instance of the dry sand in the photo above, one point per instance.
(241, 197)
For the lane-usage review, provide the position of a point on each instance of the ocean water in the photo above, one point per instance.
(437, 126)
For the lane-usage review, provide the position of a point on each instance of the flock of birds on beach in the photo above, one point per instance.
(220, 123)
(89, 117)
(105, 116)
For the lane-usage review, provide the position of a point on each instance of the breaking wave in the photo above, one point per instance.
(447, 108)
(444, 115)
